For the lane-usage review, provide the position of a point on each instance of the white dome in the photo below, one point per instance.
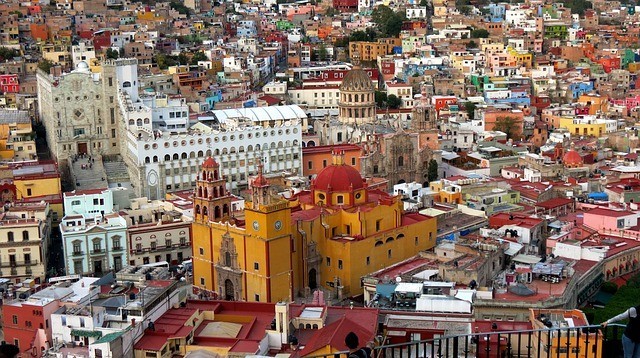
(82, 66)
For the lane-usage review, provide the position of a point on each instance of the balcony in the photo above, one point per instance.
(77, 253)
(561, 342)
(97, 252)
(118, 248)
(19, 263)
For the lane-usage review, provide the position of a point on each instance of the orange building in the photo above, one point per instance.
(595, 102)
(315, 159)
(39, 32)
(492, 116)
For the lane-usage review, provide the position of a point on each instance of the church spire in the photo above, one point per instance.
(260, 188)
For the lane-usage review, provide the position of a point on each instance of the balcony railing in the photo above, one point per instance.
(97, 252)
(554, 342)
(77, 253)
(118, 248)
(19, 263)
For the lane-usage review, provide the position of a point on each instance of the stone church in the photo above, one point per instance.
(391, 149)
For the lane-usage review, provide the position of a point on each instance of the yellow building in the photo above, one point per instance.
(522, 58)
(330, 236)
(370, 51)
(555, 342)
(582, 126)
(17, 138)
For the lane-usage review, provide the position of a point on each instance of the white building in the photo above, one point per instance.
(93, 235)
(83, 51)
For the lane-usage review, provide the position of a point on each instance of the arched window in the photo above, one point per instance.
(227, 259)
(132, 122)
(400, 161)
(139, 122)
(250, 148)
(147, 160)
(176, 157)
(146, 121)
(184, 156)
(204, 211)
(192, 154)
(167, 157)
(200, 154)
(155, 158)
(10, 236)
(197, 209)
(25, 235)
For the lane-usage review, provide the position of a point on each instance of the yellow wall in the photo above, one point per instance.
(596, 129)
(39, 187)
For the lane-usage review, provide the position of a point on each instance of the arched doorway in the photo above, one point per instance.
(313, 284)
(228, 290)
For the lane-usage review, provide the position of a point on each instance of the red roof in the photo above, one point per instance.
(210, 163)
(554, 203)
(338, 178)
(333, 335)
(608, 212)
(572, 158)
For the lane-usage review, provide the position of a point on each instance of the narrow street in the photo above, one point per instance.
(55, 262)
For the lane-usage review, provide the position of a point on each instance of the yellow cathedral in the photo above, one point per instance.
(327, 237)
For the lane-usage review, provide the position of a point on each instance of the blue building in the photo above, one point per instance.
(580, 88)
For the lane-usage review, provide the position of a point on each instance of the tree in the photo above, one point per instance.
(323, 54)
(479, 34)
(198, 56)
(388, 22)
(8, 53)
(424, 3)
(45, 65)
(331, 12)
(183, 59)
(112, 54)
(381, 99)
(470, 107)
(393, 101)
(432, 170)
(507, 125)
(180, 8)
(472, 44)
(465, 10)
(359, 35)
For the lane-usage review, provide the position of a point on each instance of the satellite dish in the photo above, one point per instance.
(398, 279)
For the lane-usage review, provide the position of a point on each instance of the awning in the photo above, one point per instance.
(84, 333)
(527, 259)
(513, 249)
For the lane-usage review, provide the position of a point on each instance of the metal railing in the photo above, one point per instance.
(555, 342)
(18, 263)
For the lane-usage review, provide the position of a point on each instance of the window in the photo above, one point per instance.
(81, 322)
(14, 319)
(378, 222)
(257, 297)
(340, 199)
(201, 281)
(368, 260)
(339, 264)
(167, 243)
(389, 254)
(328, 261)
(256, 266)
(97, 246)
(10, 236)
(28, 191)
(353, 161)
(310, 165)
(201, 251)
(116, 243)
(139, 247)
(153, 245)
(324, 163)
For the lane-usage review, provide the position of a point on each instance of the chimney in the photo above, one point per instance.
(133, 322)
(282, 321)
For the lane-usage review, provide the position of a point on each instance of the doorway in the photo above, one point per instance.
(228, 290)
(97, 267)
(82, 148)
(313, 283)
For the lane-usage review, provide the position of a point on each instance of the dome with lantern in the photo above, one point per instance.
(339, 184)
(357, 101)
(572, 159)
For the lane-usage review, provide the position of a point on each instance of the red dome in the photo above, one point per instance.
(210, 163)
(338, 178)
(572, 159)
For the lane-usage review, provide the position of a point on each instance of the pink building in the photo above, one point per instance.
(607, 220)
(9, 83)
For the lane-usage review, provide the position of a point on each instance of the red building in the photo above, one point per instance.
(9, 83)
(610, 63)
(346, 5)
(23, 319)
(101, 39)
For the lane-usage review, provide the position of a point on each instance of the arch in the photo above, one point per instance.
(228, 290)
(227, 259)
(224, 150)
(311, 143)
(199, 192)
(280, 144)
(273, 145)
(139, 122)
(295, 143)
(225, 209)
(313, 279)
(208, 153)
(314, 326)
(304, 145)
(206, 193)
(425, 184)
(287, 143)
(197, 209)
(378, 243)
(155, 158)
(200, 154)
(400, 236)
(250, 148)
(308, 326)
(257, 146)
(216, 212)
(205, 211)
(126, 84)
(176, 156)
(147, 160)
(132, 122)
(232, 150)
(25, 235)
(401, 161)
(167, 157)
(215, 192)
(388, 240)
(241, 149)
(146, 121)
(192, 154)
(183, 156)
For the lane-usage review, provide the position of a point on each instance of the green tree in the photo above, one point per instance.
(180, 8)
(479, 34)
(465, 10)
(359, 35)
(432, 170)
(112, 54)
(472, 44)
(323, 54)
(45, 65)
(8, 53)
(198, 56)
(331, 12)
(507, 125)
(470, 107)
(393, 101)
(424, 3)
(388, 22)
(183, 59)
(381, 99)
